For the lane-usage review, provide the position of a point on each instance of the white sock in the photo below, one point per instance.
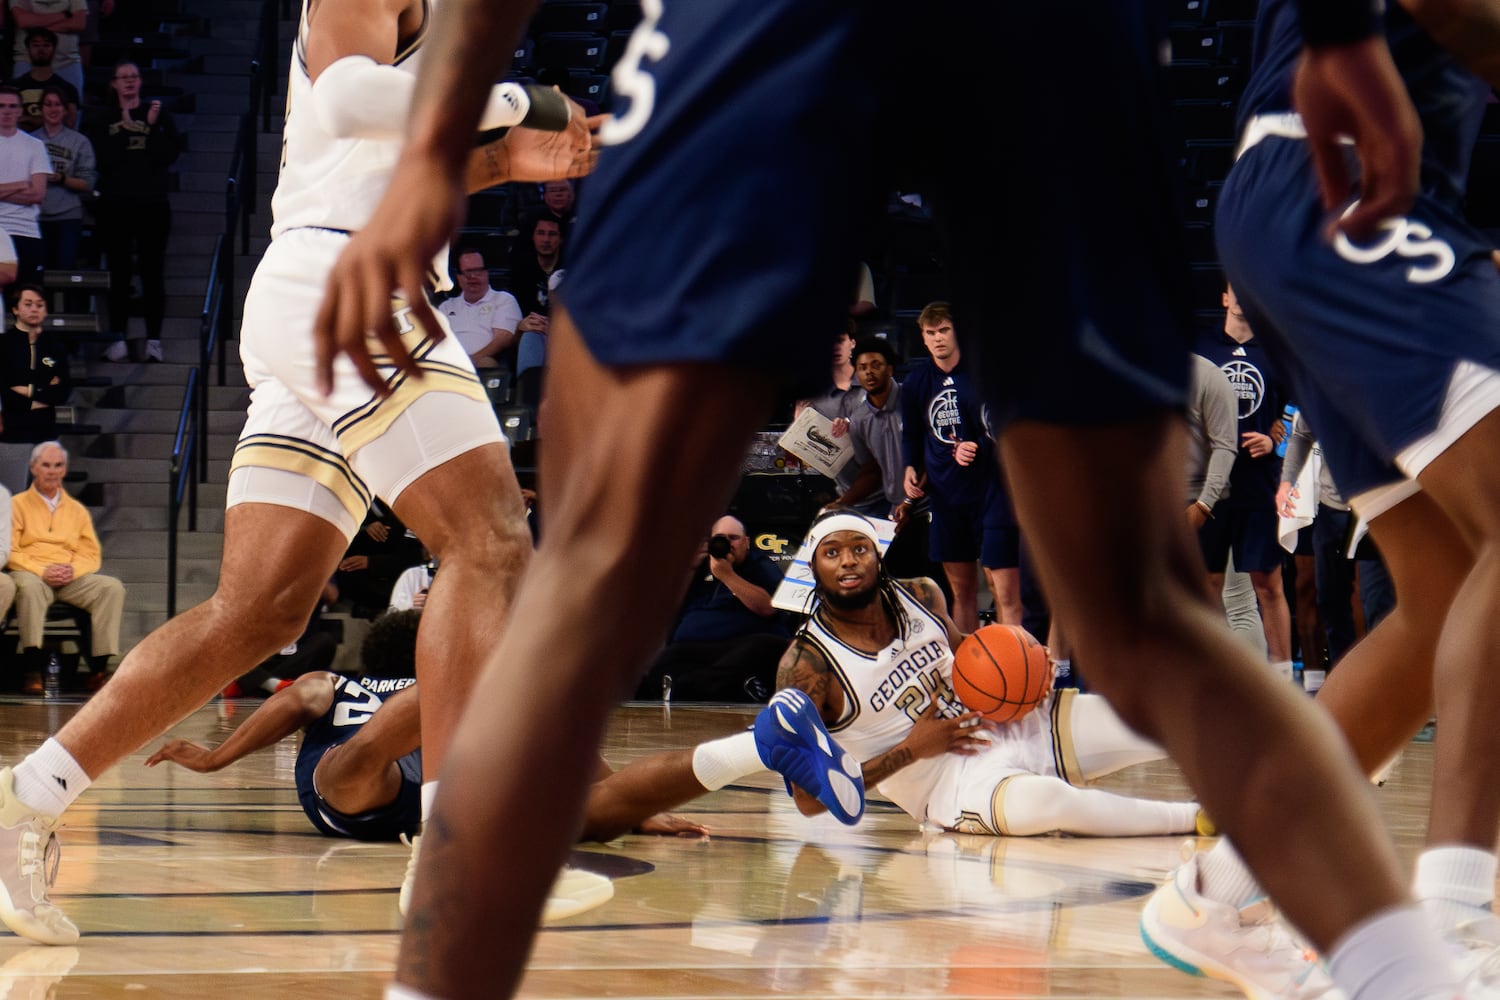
(1452, 881)
(395, 991)
(50, 779)
(718, 762)
(1394, 955)
(1283, 669)
(1033, 804)
(429, 796)
(1224, 877)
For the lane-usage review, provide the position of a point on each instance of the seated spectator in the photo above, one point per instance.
(41, 43)
(73, 174)
(483, 318)
(375, 558)
(410, 590)
(558, 197)
(135, 143)
(313, 650)
(55, 556)
(34, 377)
(537, 261)
(728, 637)
(24, 169)
(66, 19)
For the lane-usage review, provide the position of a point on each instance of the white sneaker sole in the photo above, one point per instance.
(576, 891)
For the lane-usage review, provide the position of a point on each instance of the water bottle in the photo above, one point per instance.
(52, 680)
(1286, 424)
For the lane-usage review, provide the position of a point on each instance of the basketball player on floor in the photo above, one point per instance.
(359, 766)
(307, 464)
(921, 747)
(1099, 349)
(1392, 349)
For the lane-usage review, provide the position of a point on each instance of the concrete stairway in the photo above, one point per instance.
(127, 462)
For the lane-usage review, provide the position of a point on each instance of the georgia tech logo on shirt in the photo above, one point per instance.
(1407, 238)
(943, 418)
(1249, 385)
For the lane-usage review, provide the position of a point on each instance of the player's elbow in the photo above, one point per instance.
(358, 98)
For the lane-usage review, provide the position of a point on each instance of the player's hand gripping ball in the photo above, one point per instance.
(1002, 672)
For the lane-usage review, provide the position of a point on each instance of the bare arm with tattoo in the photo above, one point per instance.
(804, 667)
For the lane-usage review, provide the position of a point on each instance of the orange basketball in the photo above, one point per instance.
(1002, 672)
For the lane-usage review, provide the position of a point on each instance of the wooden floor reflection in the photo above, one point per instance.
(192, 885)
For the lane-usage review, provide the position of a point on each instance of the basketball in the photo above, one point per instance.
(1002, 672)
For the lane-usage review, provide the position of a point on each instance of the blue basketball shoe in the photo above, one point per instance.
(792, 741)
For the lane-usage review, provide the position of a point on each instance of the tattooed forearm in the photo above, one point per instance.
(886, 764)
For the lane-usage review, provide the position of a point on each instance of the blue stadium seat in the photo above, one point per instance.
(569, 15)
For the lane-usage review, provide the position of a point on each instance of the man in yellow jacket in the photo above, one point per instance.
(54, 555)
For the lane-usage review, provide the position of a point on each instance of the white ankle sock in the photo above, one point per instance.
(1224, 877)
(718, 762)
(1451, 881)
(1394, 954)
(50, 779)
(429, 796)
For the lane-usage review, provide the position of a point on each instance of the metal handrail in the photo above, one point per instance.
(182, 476)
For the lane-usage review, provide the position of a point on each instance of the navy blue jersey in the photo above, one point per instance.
(1448, 98)
(938, 410)
(750, 148)
(1252, 481)
(1368, 336)
(355, 700)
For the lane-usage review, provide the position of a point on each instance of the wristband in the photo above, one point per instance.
(549, 111)
(1339, 22)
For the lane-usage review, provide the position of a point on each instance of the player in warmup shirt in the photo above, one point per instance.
(876, 658)
(307, 464)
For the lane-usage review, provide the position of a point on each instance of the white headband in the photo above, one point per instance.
(840, 522)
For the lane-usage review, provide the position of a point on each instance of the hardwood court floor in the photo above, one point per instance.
(196, 886)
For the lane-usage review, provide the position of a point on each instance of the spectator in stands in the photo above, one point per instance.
(41, 44)
(72, 179)
(136, 143)
(67, 20)
(483, 318)
(558, 197)
(375, 558)
(55, 556)
(950, 460)
(24, 169)
(410, 590)
(537, 260)
(839, 400)
(34, 377)
(728, 637)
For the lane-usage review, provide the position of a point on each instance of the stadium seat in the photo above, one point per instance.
(624, 15)
(569, 15)
(1187, 80)
(1211, 121)
(570, 50)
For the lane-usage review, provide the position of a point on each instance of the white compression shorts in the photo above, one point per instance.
(329, 455)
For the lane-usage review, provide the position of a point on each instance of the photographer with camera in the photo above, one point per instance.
(728, 637)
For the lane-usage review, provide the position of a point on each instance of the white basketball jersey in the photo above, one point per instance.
(885, 693)
(324, 181)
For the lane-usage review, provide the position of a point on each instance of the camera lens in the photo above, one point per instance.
(719, 546)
